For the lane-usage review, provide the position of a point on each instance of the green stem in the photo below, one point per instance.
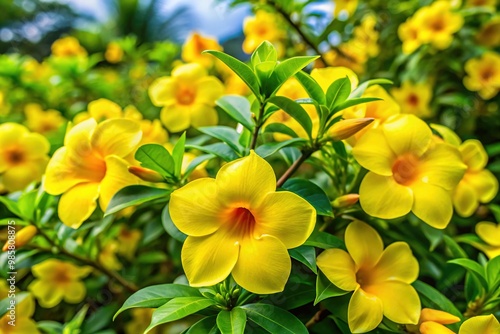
(256, 130)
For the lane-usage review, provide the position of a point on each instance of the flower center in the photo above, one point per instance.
(437, 25)
(14, 156)
(186, 95)
(363, 277)
(487, 74)
(404, 169)
(412, 100)
(243, 221)
(62, 277)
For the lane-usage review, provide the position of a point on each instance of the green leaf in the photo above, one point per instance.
(362, 87)
(287, 69)
(73, 326)
(6, 302)
(196, 162)
(238, 108)
(170, 227)
(222, 150)
(226, 134)
(305, 255)
(268, 149)
(157, 295)
(454, 248)
(295, 110)
(295, 295)
(204, 326)
(241, 69)
(434, 299)
(353, 102)
(157, 158)
(274, 319)
(311, 193)
(338, 92)
(232, 322)
(264, 71)
(280, 128)
(474, 268)
(312, 88)
(11, 206)
(26, 204)
(135, 195)
(493, 272)
(178, 308)
(324, 240)
(178, 154)
(264, 52)
(326, 289)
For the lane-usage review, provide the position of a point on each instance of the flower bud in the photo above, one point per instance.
(345, 128)
(440, 317)
(22, 237)
(345, 201)
(146, 174)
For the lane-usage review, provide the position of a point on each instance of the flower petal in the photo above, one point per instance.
(263, 265)
(474, 154)
(34, 145)
(441, 165)
(400, 300)
(203, 115)
(489, 232)
(363, 243)
(365, 312)
(176, 118)
(20, 176)
(291, 226)
(77, 138)
(373, 152)
(162, 91)
(484, 183)
(116, 136)
(432, 204)
(75, 292)
(438, 316)
(47, 296)
(208, 89)
(465, 199)
(430, 327)
(78, 203)
(397, 263)
(208, 260)
(246, 181)
(484, 324)
(339, 267)
(117, 177)
(383, 197)
(195, 208)
(407, 134)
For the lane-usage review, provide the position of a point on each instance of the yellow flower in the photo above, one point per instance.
(408, 172)
(113, 53)
(349, 6)
(432, 322)
(107, 256)
(355, 56)
(56, 280)
(128, 240)
(259, 28)
(24, 311)
(490, 234)
(238, 224)
(141, 318)
(484, 324)
(379, 278)
(380, 111)
(23, 156)
(187, 97)
(91, 166)
(478, 185)
(437, 24)
(366, 35)
(414, 98)
(326, 76)
(483, 75)
(41, 121)
(194, 46)
(408, 32)
(489, 35)
(68, 47)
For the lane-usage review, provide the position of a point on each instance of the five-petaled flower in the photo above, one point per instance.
(379, 278)
(238, 224)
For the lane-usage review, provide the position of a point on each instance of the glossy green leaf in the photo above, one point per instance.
(157, 158)
(157, 295)
(312, 88)
(311, 193)
(264, 52)
(324, 240)
(196, 162)
(169, 225)
(295, 295)
(241, 69)
(238, 108)
(274, 319)
(135, 195)
(474, 268)
(232, 322)
(295, 110)
(11, 206)
(434, 299)
(326, 289)
(74, 325)
(178, 154)
(305, 255)
(225, 134)
(338, 92)
(268, 149)
(493, 272)
(354, 102)
(280, 128)
(178, 308)
(222, 150)
(287, 69)
(204, 326)
(362, 87)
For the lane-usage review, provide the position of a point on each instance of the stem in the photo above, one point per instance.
(293, 168)
(126, 284)
(317, 317)
(256, 130)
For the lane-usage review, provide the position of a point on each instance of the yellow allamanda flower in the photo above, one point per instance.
(408, 33)
(259, 28)
(380, 278)
(24, 311)
(238, 224)
(187, 97)
(91, 166)
(408, 171)
(414, 98)
(489, 34)
(68, 47)
(432, 322)
(478, 184)
(107, 256)
(483, 75)
(23, 156)
(490, 233)
(56, 280)
(366, 35)
(193, 47)
(484, 324)
(437, 24)
(113, 53)
(349, 6)
(128, 240)
(41, 121)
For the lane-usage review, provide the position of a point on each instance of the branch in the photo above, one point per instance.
(256, 130)
(293, 168)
